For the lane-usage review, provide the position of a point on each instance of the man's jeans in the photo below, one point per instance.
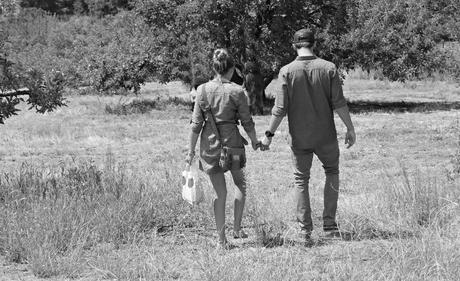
(328, 154)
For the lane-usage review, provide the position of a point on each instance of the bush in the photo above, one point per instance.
(137, 106)
(141, 106)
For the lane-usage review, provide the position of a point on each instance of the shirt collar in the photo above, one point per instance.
(222, 80)
(306, 58)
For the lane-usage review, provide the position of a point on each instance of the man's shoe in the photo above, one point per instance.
(331, 228)
(333, 232)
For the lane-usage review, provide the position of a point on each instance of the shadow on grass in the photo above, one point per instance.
(391, 107)
(272, 240)
(400, 107)
(266, 237)
(368, 234)
(141, 106)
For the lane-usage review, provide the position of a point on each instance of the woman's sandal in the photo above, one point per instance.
(225, 246)
(239, 234)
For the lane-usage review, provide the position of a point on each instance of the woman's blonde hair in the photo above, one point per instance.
(222, 61)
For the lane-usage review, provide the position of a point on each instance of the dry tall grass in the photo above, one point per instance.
(89, 195)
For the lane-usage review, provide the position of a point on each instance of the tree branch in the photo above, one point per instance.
(14, 93)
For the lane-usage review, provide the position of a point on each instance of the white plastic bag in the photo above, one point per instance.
(192, 192)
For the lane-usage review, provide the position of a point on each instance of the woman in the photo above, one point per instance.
(228, 103)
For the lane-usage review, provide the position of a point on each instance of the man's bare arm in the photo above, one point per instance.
(344, 114)
(275, 122)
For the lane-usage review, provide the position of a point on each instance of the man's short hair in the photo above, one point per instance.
(303, 45)
(303, 38)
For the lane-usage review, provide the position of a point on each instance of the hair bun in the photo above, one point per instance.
(222, 61)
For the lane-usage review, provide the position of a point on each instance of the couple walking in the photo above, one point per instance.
(310, 90)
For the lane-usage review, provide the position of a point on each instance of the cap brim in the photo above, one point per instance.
(303, 41)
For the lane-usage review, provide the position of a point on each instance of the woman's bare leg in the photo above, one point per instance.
(240, 198)
(218, 182)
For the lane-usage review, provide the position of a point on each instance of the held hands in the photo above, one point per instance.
(350, 138)
(256, 144)
(265, 145)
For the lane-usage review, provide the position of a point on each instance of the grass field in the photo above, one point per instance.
(88, 195)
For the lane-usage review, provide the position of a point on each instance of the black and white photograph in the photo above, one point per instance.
(230, 140)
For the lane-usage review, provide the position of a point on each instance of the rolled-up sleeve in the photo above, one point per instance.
(244, 113)
(281, 96)
(196, 123)
(337, 98)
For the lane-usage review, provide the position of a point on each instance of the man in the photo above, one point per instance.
(310, 90)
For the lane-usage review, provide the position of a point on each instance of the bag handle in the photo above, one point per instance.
(206, 108)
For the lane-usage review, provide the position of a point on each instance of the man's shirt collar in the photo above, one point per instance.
(306, 58)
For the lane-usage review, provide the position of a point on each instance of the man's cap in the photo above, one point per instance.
(304, 35)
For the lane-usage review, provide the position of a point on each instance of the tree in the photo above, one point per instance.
(69, 7)
(44, 90)
(183, 45)
(255, 30)
(261, 31)
(399, 37)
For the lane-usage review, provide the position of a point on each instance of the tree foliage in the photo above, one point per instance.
(258, 31)
(182, 38)
(398, 37)
(43, 89)
(109, 55)
(68, 7)
(113, 46)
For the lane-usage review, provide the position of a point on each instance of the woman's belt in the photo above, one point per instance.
(234, 122)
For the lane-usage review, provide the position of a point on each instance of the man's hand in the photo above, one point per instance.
(350, 138)
(266, 143)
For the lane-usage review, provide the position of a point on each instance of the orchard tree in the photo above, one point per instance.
(183, 44)
(398, 37)
(68, 7)
(253, 30)
(261, 30)
(43, 90)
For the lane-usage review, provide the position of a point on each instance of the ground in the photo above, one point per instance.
(402, 171)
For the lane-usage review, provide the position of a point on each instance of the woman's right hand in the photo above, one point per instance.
(189, 158)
